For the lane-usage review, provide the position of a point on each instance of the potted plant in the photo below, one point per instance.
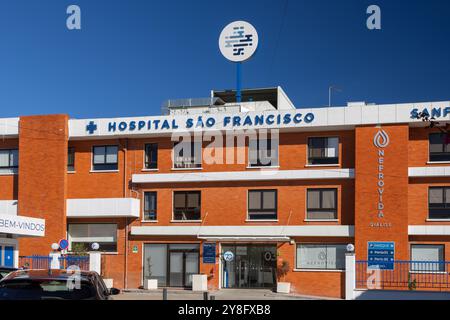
(150, 284)
(282, 270)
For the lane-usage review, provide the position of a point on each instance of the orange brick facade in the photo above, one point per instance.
(43, 185)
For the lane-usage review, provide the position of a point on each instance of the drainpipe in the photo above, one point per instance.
(125, 186)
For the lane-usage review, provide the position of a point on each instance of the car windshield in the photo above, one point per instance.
(4, 274)
(45, 290)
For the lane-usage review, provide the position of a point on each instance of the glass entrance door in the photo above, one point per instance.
(252, 266)
(190, 267)
(171, 264)
(176, 269)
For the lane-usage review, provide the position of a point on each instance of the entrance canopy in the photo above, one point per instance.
(247, 239)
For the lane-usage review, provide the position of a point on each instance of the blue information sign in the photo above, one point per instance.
(381, 255)
(209, 253)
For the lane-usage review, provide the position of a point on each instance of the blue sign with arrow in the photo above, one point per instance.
(381, 255)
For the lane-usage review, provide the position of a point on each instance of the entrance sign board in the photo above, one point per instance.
(20, 225)
(209, 253)
(381, 255)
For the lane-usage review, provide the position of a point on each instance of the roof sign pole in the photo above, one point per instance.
(239, 82)
(238, 42)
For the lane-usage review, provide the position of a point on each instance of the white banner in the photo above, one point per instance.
(22, 226)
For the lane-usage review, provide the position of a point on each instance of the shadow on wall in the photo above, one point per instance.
(401, 295)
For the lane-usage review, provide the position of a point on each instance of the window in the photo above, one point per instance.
(71, 159)
(187, 155)
(186, 205)
(105, 158)
(439, 147)
(82, 236)
(150, 206)
(321, 204)
(439, 203)
(151, 156)
(323, 150)
(263, 152)
(262, 205)
(426, 257)
(321, 256)
(9, 160)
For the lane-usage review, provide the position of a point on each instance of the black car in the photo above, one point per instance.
(4, 271)
(54, 285)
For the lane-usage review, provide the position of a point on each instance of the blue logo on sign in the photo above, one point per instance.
(239, 41)
(228, 256)
(91, 127)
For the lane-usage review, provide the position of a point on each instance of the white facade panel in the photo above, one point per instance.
(262, 175)
(245, 231)
(323, 118)
(429, 230)
(417, 172)
(8, 207)
(9, 127)
(107, 207)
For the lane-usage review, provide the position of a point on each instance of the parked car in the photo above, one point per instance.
(54, 285)
(4, 271)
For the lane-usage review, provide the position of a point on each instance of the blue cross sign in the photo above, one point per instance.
(91, 127)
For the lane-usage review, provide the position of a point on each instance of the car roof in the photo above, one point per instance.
(47, 274)
(8, 269)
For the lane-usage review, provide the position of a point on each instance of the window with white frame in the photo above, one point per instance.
(439, 203)
(105, 158)
(151, 156)
(323, 150)
(9, 160)
(321, 204)
(83, 235)
(321, 256)
(187, 205)
(71, 159)
(150, 205)
(187, 154)
(262, 204)
(427, 258)
(439, 147)
(263, 152)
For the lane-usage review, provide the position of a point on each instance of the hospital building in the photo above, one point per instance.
(283, 209)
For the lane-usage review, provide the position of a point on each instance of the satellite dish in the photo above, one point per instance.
(95, 246)
(238, 41)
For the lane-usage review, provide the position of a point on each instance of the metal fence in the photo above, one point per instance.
(406, 275)
(44, 262)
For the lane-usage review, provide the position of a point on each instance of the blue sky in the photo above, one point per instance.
(131, 55)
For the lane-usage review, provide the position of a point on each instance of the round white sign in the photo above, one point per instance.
(228, 256)
(238, 41)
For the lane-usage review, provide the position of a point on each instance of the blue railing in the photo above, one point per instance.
(406, 275)
(44, 262)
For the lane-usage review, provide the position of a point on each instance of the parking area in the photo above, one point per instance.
(228, 294)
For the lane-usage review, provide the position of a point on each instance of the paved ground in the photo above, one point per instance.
(227, 294)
